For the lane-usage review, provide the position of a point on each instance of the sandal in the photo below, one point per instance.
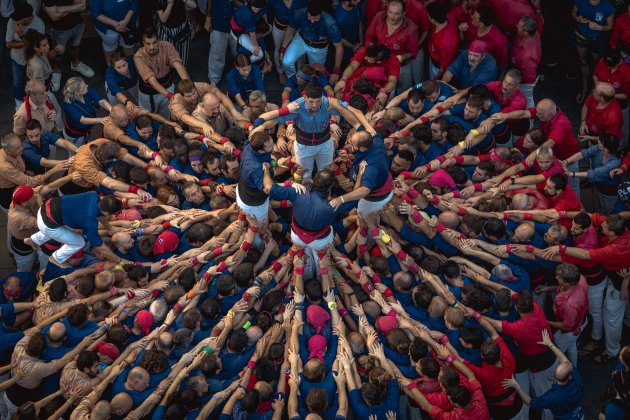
(603, 358)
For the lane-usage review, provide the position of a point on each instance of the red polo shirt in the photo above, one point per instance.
(620, 37)
(571, 306)
(516, 101)
(567, 201)
(391, 67)
(443, 45)
(478, 409)
(527, 331)
(417, 12)
(509, 12)
(588, 240)
(613, 255)
(495, 41)
(403, 40)
(620, 78)
(559, 130)
(526, 57)
(606, 120)
(458, 15)
(555, 168)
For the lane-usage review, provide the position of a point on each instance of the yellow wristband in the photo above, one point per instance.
(462, 144)
(474, 132)
(332, 306)
(118, 267)
(136, 224)
(385, 237)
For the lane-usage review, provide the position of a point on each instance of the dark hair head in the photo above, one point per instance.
(418, 349)
(118, 335)
(316, 8)
(313, 290)
(437, 12)
(490, 352)
(57, 289)
(317, 401)
(372, 394)
(494, 227)
(429, 367)
(251, 401)
(154, 361)
(187, 278)
(110, 205)
(36, 345)
(450, 269)
(486, 15)
(238, 341)
(559, 181)
(87, 359)
(378, 52)
(242, 60)
(225, 285)
(77, 314)
(258, 140)
(472, 336)
(148, 33)
(459, 395)
(313, 90)
(524, 302)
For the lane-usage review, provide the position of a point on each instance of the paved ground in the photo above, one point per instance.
(555, 85)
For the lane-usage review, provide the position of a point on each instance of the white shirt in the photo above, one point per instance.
(17, 54)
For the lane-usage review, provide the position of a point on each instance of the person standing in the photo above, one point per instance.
(116, 23)
(22, 19)
(219, 13)
(526, 54)
(67, 29)
(155, 63)
(174, 25)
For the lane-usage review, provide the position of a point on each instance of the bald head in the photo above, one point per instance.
(34, 87)
(563, 371)
(449, 219)
(546, 109)
(520, 201)
(121, 239)
(121, 404)
(357, 343)
(524, 232)
(119, 115)
(101, 411)
(254, 333)
(165, 341)
(103, 281)
(158, 309)
(57, 332)
(211, 104)
(605, 92)
(138, 379)
(371, 308)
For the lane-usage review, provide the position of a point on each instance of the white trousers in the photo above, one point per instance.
(527, 89)
(614, 309)
(596, 307)
(261, 213)
(72, 241)
(540, 383)
(245, 41)
(567, 343)
(366, 207)
(312, 261)
(309, 156)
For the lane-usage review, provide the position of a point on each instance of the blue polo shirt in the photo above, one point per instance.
(282, 13)
(80, 211)
(245, 17)
(376, 172)
(564, 401)
(233, 363)
(76, 109)
(33, 155)
(221, 13)
(132, 131)
(348, 21)
(251, 166)
(311, 210)
(326, 28)
(117, 82)
(116, 10)
(236, 84)
(362, 410)
(463, 77)
(9, 337)
(598, 14)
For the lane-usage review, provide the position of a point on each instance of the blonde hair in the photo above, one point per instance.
(72, 86)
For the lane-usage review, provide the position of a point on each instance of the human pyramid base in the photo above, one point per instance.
(402, 236)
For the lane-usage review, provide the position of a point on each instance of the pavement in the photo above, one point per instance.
(553, 85)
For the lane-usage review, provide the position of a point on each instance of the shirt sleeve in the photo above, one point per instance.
(332, 29)
(15, 176)
(602, 172)
(278, 192)
(232, 83)
(31, 156)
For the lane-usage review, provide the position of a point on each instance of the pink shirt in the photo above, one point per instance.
(571, 306)
(526, 57)
(516, 101)
(495, 41)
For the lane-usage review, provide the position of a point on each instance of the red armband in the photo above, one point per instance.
(562, 214)
(336, 70)
(436, 200)
(282, 50)
(358, 274)
(441, 158)
(444, 340)
(276, 266)
(331, 122)
(130, 294)
(169, 95)
(288, 183)
(100, 268)
(217, 251)
(253, 228)
(401, 255)
(506, 215)
(163, 262)
(343, 312)
(300, 252)
(414, 267)
(440, 108)
(388, 292)
(405, 133)
(200, 137)
(155, 294)
(245, 246)
(411, 386)
(166, 225)
(456, 193)
(177, 308)
(405, 197)
(251, 364)
(462, 211)
(528, 216)
(508, 248)
(284, 204)
(376, 278)
(337, 171)
(285, 98)
(530, 248)
(562, 249)
(284, 111)
(321, 254)
(133, 189)
(459, 160)
(478, 186)
(206, 276)
(147, 166)
(417, 217)
(242, 217)
(154, 155)
(406, 174)
(194, 261)
(363, 232)
(246, 297)
(427, 167)
(368, 287)
(375, 232)
(323, 271)
(291, 252)
(424, 120)
(224, 140)
(440, 228)
(450, 359)
(363, 249)
(299, 270)
(168, 169)
(413, 194)
(221, 267)
(205, 182)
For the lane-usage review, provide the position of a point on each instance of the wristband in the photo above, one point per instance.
(224, 140)
(528, 216)
(177, 308)
(363, 232)
(443, 340)
(332, 306)
(455, 305)
(406, 174)
(368, 287)
(169, 95)
(324, 270)
(424, 120)
(284, 204)
(506, 215)
(135, 224)
(285, 98)
(248, 125)
(440, 108)
(299, 306)
(436, 200)
(563, 249)
(401, 255)
(242, 217)
(288, 183)
(282, 50)
(147, 166)
(139, 232)
(462, 144)
(247, 325)
(246, 297)
(276, 266)
(405, 133)
(168, 169)
(284, 111)
(462, 211)
(299, 270)
(251, 364)
(411, 386)
(414, 267)
(332, 122)
(530, 248)
(113, 290)
(245, 246)
(375, 232)
(154, 155)
(155, 293)
(376, 279)
(217, 251)
(259, 121)
(194, 261)
(413, 194)
(221, 267)
(132, 189)
(207, 350)
(166, 225)
(163, 262)
(478, 186)
(456, 193)
(336, 70)
(300, 253)
(358, 275)
(206, 276)
(416, 217)
(459, 160)
(190, 294)
(508, 248)
(405, 197)
(476, 316)
(439, 228)
(118, 267)
(388, 292)
(253, 228)
(100, 268)
(200, 137)
(562, 214)
(450, 359)
(363, 248)
(474, 132)
(343, 312)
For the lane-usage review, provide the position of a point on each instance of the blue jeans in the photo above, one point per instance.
(19, 80)
(219, 42)
(296, 49)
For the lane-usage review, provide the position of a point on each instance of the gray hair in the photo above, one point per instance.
(529, 24)
(502, 272)
(568, 272)
(515, 74)
(544, 151)
(158, 309)
(256, 95)
(73, 85)
(7, 139)
(33, 86)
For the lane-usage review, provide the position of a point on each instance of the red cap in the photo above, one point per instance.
(129, 214)
(166, 242)
(478, 47)
(145, 321)
(108, 349)
(386, 323)
(21, 194)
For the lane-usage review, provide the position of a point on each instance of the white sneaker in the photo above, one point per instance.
(56, 81)
(83, 69)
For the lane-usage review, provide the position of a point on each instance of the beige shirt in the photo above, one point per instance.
(75, 383)
(28, 371)
(37, 113)
(86, 163)
(220, 123)
(178, 105)
(45, 308)
(158, 65)
(22, 221)
(38, 68)
(12, 172)
(113, 132)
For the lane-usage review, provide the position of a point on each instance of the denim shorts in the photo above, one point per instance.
(73, 36)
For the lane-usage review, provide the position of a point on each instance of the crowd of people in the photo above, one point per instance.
(401, 236)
